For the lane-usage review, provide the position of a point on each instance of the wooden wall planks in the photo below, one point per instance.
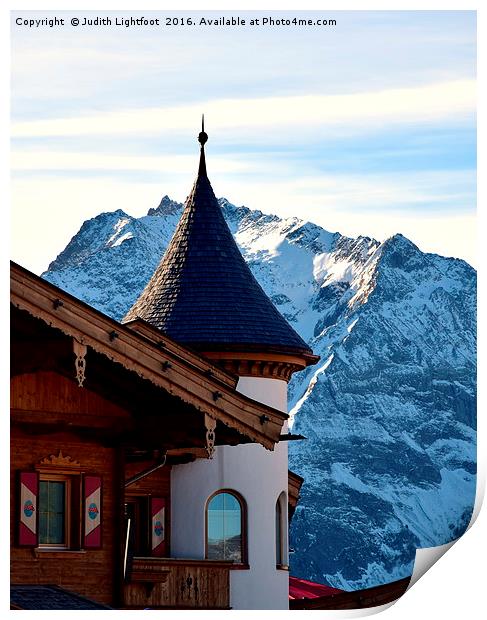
(90, 572)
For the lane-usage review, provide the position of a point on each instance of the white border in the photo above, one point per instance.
(455, 586)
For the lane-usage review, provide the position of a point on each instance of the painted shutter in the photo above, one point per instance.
(28, 513)
(92, 512)
(158, 526)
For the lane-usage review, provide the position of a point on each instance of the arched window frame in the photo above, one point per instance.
(281, 535)
(243, 524)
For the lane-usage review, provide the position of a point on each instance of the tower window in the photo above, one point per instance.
(225, 527)
(278, 534)
(281, 531)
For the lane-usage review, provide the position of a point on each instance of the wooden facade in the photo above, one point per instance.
(90, 573)
(94, 400)
(94, 573)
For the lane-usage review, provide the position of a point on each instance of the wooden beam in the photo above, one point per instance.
(200, 453)
(155, 336)
(59, 420)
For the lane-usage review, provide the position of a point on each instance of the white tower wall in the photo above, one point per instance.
(259, 476)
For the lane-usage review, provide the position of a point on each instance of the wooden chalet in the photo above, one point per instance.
(100, 414)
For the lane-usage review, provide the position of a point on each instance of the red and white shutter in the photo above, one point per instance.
(92, 512)
(158, 526)
(28, 513)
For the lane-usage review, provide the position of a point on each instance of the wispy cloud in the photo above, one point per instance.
(368, 128)
(388, 192)
(400, 105)
(43, 160)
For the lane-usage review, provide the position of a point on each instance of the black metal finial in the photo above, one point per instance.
(203, 136)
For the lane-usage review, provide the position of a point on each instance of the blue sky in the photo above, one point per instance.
(367, 127)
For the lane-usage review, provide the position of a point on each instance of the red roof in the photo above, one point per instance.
(300, 588)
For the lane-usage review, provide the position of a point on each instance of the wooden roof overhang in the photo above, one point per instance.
(154, 370)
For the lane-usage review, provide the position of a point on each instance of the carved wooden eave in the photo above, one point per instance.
(258, 364)
(60, 463)
(295, 483)
(150, 355)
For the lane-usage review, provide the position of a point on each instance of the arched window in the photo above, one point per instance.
(225, 527)
(281, 525)
(279, 561)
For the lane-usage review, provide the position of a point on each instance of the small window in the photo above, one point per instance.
(225, 527)
(281, 531)
(54, 511)
(67, 505)
(279, 561)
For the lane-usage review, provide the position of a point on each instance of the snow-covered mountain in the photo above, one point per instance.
(388, 412)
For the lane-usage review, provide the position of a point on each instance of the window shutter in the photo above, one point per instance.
(92, 497)
(158, 526)
(28, 523)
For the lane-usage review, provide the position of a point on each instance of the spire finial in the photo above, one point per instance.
(203, 136)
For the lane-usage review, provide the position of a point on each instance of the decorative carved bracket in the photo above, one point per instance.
(80, 363)
(210, 425)
(59, 461)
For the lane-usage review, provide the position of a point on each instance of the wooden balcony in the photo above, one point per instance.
(178, 584)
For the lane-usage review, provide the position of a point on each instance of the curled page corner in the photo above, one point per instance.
(372, 611)
(479, 496)
(359, 612)
(426, 557)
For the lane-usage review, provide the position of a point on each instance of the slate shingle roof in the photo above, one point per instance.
(49, 597)
(203, 294)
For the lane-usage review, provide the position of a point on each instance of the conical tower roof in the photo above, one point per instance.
(204, 295)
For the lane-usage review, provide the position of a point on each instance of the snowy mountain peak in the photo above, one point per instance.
(91, 237)
(400, 252)
(166, 207)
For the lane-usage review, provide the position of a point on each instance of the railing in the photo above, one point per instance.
(178, 584)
